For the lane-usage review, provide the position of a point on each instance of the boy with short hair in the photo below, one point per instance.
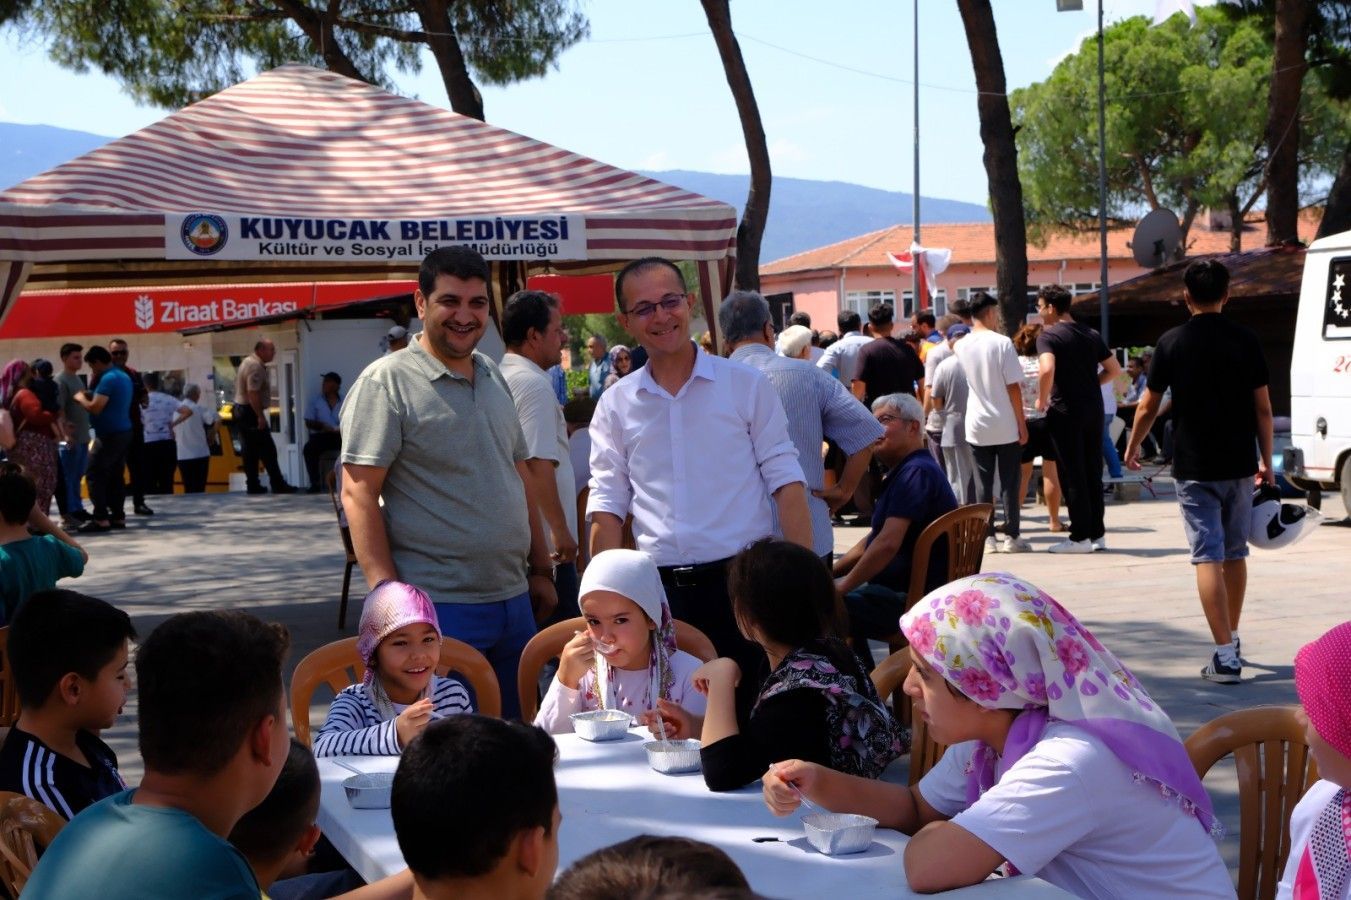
(68, 655)
(28, 563)
(507, 849)
(214, 738)
(278, 835)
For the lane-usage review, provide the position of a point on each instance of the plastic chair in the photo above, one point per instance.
(331, 479)
(889, 678)
(1275, 768)
(965, 528)
(9, 693)
(338, 666)
(25, 827)
(547, 644)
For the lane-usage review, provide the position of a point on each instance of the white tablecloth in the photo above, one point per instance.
(607, 793)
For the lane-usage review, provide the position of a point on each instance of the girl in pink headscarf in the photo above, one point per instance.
(399, 641)
(1319, 865)
(1059, 763)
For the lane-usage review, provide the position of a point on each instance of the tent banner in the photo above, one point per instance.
(168, 309)
(203, 235)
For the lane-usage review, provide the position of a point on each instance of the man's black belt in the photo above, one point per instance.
(695, 573)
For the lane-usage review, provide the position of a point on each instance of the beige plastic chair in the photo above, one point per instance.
(888, 678)
(1275, 768)
(25, 827)
(547, 644)
(338, 665)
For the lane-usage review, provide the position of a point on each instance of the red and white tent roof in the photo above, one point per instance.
(304, 144)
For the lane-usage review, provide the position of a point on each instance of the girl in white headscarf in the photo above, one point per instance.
(627, 657)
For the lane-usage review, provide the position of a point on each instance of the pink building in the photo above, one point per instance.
(855, 273)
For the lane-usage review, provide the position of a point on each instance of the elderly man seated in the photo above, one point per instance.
(875, 574)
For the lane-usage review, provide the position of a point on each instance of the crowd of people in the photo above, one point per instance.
(707, 502)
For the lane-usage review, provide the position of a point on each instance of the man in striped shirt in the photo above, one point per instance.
(817, 405)
(68, 653)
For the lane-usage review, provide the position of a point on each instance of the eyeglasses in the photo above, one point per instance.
(887, 418)
(118, 352)
(670, 303)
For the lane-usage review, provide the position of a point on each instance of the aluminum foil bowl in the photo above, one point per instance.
(369, 791)
(673, 757)
(836, 834)
(601, 724)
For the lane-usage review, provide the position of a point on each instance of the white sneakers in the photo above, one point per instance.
(991, 545)
(1015, 545)
(1100, 543)
(1068, 546)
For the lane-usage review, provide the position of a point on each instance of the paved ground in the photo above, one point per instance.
(280, 558)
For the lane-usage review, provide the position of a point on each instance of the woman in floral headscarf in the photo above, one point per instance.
(626, 658)
(34, 428)
(1060, 764)
(1319, 865)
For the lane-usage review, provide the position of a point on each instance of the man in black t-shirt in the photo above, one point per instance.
(1222, 438)
(1070, 356)
(885, 365)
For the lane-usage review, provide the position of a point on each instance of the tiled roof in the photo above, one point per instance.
(1260, 274)
(974, 243)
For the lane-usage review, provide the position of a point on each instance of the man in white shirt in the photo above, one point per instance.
(841, 357)
(995, 427)
(532, 329)
(696, 449)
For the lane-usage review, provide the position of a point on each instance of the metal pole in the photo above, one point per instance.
(914, 272)
(1102, 181)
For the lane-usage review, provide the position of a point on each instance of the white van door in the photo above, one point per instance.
(1320, 370)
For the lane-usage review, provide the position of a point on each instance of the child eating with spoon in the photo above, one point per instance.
(399, 642)
(626, 659)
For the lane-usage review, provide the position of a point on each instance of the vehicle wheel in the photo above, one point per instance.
(1346, 484)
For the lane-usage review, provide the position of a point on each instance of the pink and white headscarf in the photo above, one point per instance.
(389, 606)
(1006, 644)
(1323, 680)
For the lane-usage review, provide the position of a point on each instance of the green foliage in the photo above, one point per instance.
(1186, 110)
(578, 380)
(173, 52)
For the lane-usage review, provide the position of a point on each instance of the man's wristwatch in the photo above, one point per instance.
(541, 572)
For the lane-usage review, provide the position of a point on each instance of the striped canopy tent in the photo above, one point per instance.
(300, 174)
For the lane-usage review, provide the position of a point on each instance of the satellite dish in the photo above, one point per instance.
(1156, 239)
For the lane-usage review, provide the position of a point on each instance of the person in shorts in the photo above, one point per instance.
(1222, 444)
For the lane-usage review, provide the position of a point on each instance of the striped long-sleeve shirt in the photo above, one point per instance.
(30, 767)
(354, 727)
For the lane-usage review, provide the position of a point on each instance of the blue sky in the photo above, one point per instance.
(647, 90)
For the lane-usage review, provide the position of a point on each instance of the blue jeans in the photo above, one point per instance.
(74, 459)
(1109, 449)
(500, 632)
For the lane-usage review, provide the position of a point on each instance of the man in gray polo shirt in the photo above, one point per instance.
(432, 431)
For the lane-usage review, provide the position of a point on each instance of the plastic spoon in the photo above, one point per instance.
(794, 788)
(346, 766)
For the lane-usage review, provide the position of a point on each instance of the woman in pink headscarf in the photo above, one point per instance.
(34, 429)
(1060, 765)
(399, 641)
(1319, 865)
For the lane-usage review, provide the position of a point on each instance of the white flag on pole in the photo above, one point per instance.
(1166, 9)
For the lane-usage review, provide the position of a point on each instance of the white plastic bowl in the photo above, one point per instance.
(673, 757)
(836, 834)
(370, 790)
(601, 724)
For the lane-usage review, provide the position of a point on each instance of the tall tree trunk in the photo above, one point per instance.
(1001, 162)
(1235, 224)
(464, 95)
(1337, 214)
(751, 229)
(1288, 66)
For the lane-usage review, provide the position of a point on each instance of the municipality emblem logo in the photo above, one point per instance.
(204, 234)
(145, 312)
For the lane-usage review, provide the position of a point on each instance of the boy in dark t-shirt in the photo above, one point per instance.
(68, 653)
(1223, 437)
